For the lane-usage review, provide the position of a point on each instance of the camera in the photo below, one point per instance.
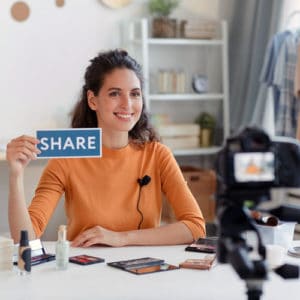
(251, 162)
(248, 166)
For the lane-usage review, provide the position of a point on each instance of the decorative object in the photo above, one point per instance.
(60, 3)
(171, 81)
(162, 25)
(207, 126)
(20, 11)
(200, 83)
(116, 3)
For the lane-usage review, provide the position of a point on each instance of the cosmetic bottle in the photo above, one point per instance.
(24, 261)
(261, 219)
(62, 249)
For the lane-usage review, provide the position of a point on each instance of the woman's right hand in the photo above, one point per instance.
(20, 151)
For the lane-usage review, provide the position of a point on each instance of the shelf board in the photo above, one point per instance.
(180, 97)
(180, 42)
(197, 151)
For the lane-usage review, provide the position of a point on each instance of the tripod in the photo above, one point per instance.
(234, 221)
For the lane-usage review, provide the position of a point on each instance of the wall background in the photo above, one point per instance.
(42, 64)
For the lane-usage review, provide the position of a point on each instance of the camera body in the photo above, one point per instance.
(248, 166)
(250, 162)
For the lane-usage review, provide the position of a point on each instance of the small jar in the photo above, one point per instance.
(6, 254)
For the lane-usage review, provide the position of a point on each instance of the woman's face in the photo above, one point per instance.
(119, 103)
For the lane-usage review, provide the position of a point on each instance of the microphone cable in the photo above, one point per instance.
(141, 181)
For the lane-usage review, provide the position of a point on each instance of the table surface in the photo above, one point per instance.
(100, 281)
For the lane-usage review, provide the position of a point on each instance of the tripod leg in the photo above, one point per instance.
(254, 289)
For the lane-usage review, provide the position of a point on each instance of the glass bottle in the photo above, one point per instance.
(62, 248)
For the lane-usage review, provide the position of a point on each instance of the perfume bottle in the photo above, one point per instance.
(62, 249)
(24, 261)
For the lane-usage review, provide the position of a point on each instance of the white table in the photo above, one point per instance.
(100, 281)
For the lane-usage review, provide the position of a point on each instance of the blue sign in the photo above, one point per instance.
(75, 142)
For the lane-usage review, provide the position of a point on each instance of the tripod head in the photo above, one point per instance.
(248, 166)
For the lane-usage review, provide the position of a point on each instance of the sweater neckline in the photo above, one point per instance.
(116, 152)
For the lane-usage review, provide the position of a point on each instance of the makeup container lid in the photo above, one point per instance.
(24, 238)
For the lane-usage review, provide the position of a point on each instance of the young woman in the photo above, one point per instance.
(114, 200)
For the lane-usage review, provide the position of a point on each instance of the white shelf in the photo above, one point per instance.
(136, 33)
(180, 97)
(180, 42)
(197, 151)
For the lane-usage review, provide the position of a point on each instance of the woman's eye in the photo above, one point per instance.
(114, 94)
(136, 94)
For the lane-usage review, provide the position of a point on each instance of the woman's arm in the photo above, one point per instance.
(19, 153)
(170, 234)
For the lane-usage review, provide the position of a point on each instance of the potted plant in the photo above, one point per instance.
(207, 125)
(162, 25)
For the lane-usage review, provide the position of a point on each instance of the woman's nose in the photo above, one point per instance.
(125, 101)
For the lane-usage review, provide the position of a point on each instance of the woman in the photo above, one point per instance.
(116, 199)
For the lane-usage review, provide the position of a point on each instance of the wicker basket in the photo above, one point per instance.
(198, 29)
(164, 27)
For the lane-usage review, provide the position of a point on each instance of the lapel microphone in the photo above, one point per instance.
(141, 181)
(144, 180)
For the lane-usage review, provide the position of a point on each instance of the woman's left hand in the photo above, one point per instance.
(98, 235)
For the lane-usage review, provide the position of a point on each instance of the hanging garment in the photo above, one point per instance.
(284, 77)
(297, 75)
(279, 73)
(270, 60)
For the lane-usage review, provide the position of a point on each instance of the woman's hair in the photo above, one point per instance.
(102, 65)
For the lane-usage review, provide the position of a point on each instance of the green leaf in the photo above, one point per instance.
(162, 7)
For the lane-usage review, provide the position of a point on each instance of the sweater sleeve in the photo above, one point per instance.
(178, 194)
(47, 194)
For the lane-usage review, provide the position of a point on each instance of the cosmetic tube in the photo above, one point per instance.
(62, 249)
(24, 261)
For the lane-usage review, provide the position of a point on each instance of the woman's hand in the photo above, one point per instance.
(98, 235)
(20, 151)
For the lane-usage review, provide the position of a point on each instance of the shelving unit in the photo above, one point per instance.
(195, 56)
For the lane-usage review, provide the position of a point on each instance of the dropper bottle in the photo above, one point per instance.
(24, 261)
(62, 248)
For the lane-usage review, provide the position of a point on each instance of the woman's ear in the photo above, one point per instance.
(91, 100)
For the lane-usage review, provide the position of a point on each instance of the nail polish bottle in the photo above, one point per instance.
(62, 249)
(24, 261)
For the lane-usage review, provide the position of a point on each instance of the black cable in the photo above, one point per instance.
(141, 181)
(138, 208)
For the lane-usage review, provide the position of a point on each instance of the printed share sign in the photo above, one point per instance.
(75, 142)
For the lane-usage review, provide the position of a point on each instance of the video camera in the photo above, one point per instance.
(248, 166)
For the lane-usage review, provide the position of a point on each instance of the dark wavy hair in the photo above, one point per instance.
(103, 64)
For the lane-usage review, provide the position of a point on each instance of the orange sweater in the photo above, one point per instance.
(104, 191)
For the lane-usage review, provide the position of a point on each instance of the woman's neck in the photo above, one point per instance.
(115, 141)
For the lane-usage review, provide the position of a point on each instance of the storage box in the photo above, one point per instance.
(175, 130)
(181, 142)
(202, 184)
(180, 136)
(281, 234)
(198, 29)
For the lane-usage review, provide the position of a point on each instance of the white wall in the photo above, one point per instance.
(42, 64)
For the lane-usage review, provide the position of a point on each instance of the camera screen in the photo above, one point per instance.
(254, 166)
